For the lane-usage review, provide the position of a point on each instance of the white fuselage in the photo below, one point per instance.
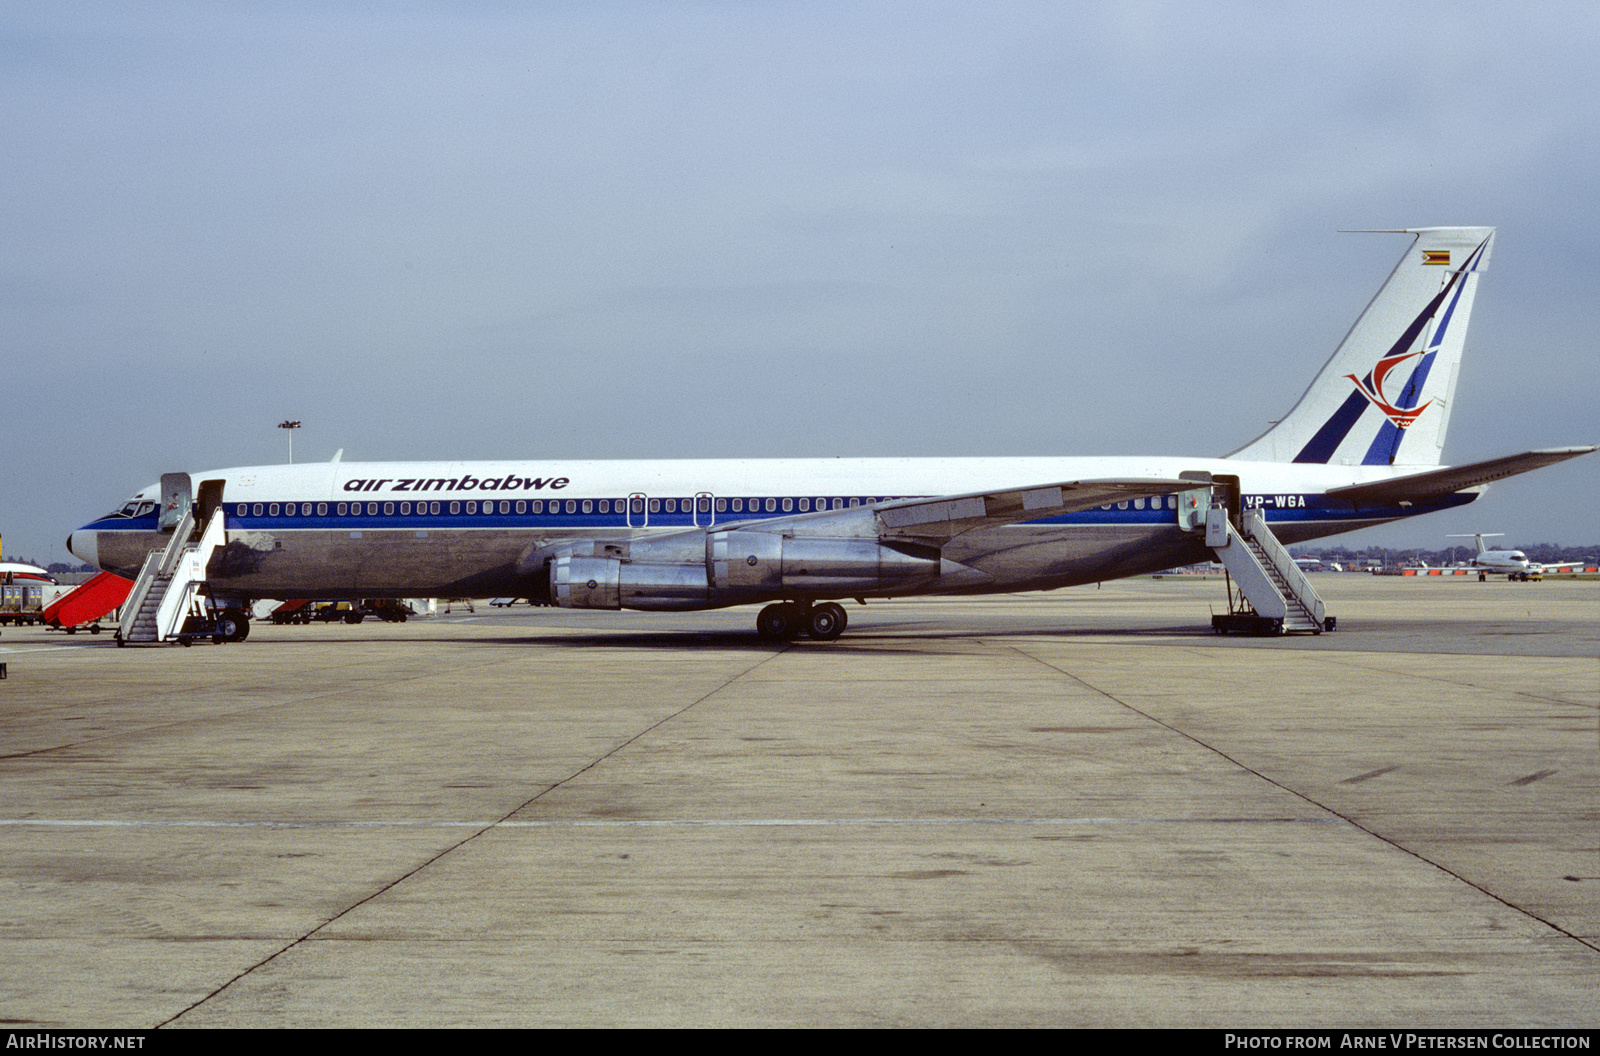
(479, 528)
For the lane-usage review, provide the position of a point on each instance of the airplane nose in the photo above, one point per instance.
(86, 546)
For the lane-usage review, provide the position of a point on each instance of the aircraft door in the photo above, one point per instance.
(1193, 503)
(1225, 492)
(704, 509)
(638, 510)
(210, 499)
(176, 498)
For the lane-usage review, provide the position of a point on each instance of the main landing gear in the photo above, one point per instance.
(788, 620)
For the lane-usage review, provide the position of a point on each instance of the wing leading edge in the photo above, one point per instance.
(941, 518)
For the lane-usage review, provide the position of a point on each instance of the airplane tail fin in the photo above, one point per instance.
(1478, 536)
(1384, 397)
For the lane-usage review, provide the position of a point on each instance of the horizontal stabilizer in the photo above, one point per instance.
(1430, 485)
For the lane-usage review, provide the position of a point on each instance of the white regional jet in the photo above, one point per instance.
(1513, 564)
(1360, 448)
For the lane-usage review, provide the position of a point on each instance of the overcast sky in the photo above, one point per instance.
(621, 230)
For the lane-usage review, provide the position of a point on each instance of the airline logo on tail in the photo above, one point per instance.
(1402, 417)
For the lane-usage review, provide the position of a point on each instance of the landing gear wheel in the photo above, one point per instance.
(779, 623)
(826, 622)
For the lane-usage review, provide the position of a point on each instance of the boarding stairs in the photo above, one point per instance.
(167, 591)
(1275, 595)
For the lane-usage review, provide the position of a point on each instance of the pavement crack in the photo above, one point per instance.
(1214, 749)
(452, 848)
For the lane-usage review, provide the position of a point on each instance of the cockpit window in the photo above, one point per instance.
(132, 508)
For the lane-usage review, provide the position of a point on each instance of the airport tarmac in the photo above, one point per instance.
(1070, 809)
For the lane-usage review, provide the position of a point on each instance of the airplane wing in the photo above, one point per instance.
(946, 517)
(938, 519)
(1437, 482)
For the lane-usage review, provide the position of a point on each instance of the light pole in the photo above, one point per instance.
(291, 427)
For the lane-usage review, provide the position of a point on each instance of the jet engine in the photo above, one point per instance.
(735, 567)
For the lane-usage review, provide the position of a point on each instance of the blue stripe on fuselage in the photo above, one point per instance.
(1286, 507)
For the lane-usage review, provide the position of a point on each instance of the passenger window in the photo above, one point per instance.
(805, 504)
(256, 509)
(522, 506)
(405, 508)
(388, 509)
(455, 507)
(240, 509)
(655, 505)
(722, 505)
(788, 505)
(343, 509)
(273, 510)
(588, 506)
(738, 506)
(772, 505)
(322, 509)
(472, 507)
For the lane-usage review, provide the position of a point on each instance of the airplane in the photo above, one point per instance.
(1513, 564)
(17, 571)
(1361, 447)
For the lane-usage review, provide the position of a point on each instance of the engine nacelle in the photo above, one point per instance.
(736, 567)
(610, 583)
(765, 563)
